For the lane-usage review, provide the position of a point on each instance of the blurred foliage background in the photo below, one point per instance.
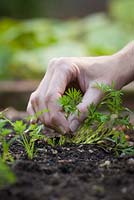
(32, 32)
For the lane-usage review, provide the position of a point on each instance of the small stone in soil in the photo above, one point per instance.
(90, 151)
(124, 190)
(130, 161)
(54, 151)
(105, 164)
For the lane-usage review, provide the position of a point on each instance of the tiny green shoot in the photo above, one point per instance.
(28, 136)
(5, 143)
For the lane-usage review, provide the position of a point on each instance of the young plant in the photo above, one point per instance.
(5, 143)
(28, 136)
(100, 127)
(6, 175)
(25, 134)
(70, 100)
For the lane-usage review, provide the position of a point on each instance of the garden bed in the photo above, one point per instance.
(95, 163)
(71, 172)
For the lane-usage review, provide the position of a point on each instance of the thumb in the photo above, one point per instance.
(92, 95)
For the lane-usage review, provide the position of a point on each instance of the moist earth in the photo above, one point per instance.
(70, 172)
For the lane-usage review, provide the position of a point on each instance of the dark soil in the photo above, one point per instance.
(71, 172)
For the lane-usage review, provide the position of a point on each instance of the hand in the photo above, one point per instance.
(85, 72)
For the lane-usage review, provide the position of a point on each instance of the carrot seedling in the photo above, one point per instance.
(28, 136)
(100, 125)
(5, 143)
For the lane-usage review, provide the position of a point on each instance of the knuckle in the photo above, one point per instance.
(34, 99)
(63, 64)
(52, 63)
(48, 97)
(62, 61)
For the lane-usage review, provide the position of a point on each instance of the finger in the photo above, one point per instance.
(57, 118)
(44, 116)
(92, 95)
(33, 105)
(44, 84)
(31, 112)
(57, 88)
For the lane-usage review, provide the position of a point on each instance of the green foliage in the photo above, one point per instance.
(100, 127)
(25, 134)
(70, 100)
(19, 127)
(28, 141)
(112, 98)
(4, 133)
(107, 39)
(122, 11)
(6, 175)
(26, 46)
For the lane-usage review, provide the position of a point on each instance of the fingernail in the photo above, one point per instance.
(74, 125)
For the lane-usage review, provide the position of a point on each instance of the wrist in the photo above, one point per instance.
(125, 65)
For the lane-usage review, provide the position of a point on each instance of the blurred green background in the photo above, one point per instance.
(32, 32)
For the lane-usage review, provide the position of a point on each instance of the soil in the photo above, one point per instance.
(71, 172)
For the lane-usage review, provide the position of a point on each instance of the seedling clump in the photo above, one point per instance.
(102, 122)
(70, 100)
(28, 136)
